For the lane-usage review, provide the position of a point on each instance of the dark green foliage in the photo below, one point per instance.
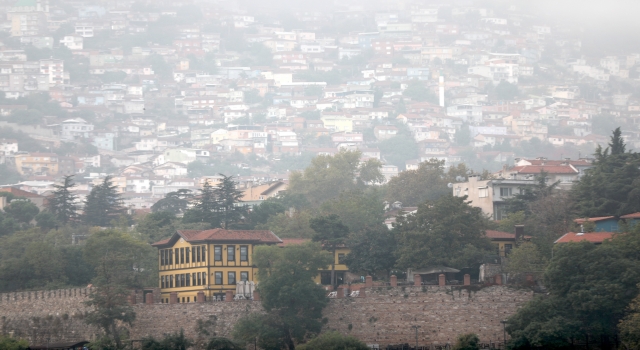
(612, 186)
(468, 341)
(103, 204)
(399, 149)
(428, 182)
(22, 210)
(506, 91)
(357, 209)
(332, 234)
(173, 202)
(62, 202)
(157, 226)
(219, 343)
(8, 343)
(46, 221)
(218, 206)
(174, 341)
(522, 201)
(445, 232)
(260, 214)
(333, 341)
(121, 263)
(292, 300)
(589, 288)
(372, 251)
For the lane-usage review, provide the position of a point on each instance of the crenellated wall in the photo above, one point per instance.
(383, 316)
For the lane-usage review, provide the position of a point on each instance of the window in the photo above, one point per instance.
(178, 281)
(325, 278)
(177, 253)
(244, 253)
(193, 253)
(483, 192)
(197, 254)
(204, 253)
(231, 253)
(218, 277)
(170, 256)
(188, 280)
(161, 281)
(204, 279)
(244, 276)
(161, 257)
(187, 253)
(199, 278)
(507, 248)
(182, 255)
(171, 281)
(231, 276)
(505, 191)
(217, 253)
(340, 258)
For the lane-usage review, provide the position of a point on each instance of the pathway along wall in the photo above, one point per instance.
(383, 316)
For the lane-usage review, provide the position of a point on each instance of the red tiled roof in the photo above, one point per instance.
(551, 169)
(293, 241)
(596, 219)
(593, 237)
(631, 216)
(218, 235)
(502, 235)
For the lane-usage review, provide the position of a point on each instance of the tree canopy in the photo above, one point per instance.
(445, 232)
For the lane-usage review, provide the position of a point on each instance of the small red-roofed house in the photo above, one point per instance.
(593, 237)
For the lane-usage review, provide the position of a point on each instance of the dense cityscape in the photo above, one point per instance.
(279, 162)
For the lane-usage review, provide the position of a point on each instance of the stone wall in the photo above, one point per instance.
(384, 316)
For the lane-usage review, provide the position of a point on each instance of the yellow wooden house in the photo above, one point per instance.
(209, 261)
(324, 276)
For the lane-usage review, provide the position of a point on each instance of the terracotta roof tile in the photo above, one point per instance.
(221, 235)
(593, 237)
(596, 219)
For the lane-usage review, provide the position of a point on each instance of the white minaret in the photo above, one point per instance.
(441, 88)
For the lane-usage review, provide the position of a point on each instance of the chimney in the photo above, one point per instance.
(519, 233)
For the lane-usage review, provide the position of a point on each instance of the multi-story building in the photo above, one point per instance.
(210, 261)
(53, 68)
(37, 163)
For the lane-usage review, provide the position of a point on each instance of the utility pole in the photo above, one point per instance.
(416, 328)
(504, 333)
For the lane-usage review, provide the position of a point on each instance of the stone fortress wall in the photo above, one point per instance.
(380, 315)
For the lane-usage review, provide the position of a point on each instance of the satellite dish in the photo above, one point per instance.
(450, 185)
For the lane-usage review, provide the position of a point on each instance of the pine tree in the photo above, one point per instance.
(617, 144)
(62, 202)
(227, 197)
(103, 204)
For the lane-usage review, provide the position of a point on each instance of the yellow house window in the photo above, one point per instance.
(244, 253)
(231, 276)
(244, 276)
(218, 276)
(217, 253)
(231, 253)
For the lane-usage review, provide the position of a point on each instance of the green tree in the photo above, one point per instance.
(292, 300)
(629, 326)
(529, 194)
(328, 176)
(356, 208)
(261, 213)
(333, 341)
(219, 343)
(174, 202)
(62, 202)
(121, 263)
(204, 207)
(103, 204)
(8, 343)
(332, 234)
(588, 290)
(22, 210)
(506, 91)
(157, 226)
(418, 91)
(469, 341)
(371, 251)
(525, 259)
(612, 186)
(289, 225)
(445, 232)
(399, 149)
(428, 182)
(228, 199)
